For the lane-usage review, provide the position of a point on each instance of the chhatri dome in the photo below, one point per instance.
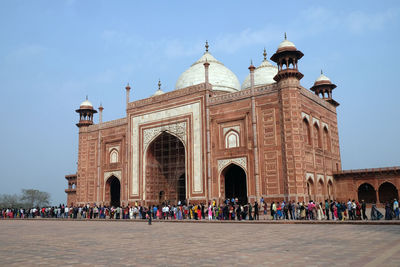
(221, 78)
(286, 45)
(263, 74)
(86, 104)
(323, 78)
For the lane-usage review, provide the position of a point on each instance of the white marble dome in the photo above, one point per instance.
(322, 77)
(86, 103)
(286, 43)
(263, 75)
(221, 78)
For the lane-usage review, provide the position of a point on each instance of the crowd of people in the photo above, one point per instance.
(230, 209)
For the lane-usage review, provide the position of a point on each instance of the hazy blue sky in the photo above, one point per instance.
(54, 53)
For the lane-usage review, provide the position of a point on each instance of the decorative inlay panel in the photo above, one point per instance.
(177, 129)
(242, 161)
(111, 173)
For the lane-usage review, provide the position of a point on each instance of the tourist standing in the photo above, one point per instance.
(388, 211)
(363, 208)
(326, 209)
(375, 214)
(256, 211)
(396, 208)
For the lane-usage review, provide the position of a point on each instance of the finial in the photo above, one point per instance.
(206, 46)
(159, 84)
(127, 87)
(86, 97)
(265, 54)
(285, 35)
(251, 67)
(321, 72)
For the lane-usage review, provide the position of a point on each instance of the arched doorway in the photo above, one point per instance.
(310, 190)
(165, 170)
(181, 188)
(320, 197)
(235, 183)
(387, 192)
(367, 193)
(330, 190)
(113, 187)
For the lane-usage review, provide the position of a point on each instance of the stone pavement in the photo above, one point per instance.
(105, 243)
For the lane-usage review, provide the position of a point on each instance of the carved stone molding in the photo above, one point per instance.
(320, 177)
(310, 176)
(227, 129)
(242, 162)
(112, 173)
(177, 129)
(113, 147)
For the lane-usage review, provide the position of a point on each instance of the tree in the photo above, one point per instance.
(35, 198)
(10, 201)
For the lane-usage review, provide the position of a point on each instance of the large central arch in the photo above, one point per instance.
(235, 182)
(165, 170)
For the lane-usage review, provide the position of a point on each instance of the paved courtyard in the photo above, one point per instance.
(105, 243)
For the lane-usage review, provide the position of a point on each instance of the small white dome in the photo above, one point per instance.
(220, 77)
(158, 92)
(322, 77)
(263, 75)
(86, 103)
(286, 43)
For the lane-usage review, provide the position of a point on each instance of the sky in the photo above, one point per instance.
(54, 53)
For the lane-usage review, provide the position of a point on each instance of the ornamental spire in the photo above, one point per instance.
(285, 36)
(206, 46)
(159, 84)
(265, 54)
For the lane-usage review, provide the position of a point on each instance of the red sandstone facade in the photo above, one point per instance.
(277, 141)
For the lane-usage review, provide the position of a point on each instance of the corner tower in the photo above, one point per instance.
(86, 112)
(287, 57)
(323, 88)
(291, 179)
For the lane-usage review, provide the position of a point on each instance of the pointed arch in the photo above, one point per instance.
(329, 188)
(367, 193)
(232, 139)
(114, 156)
(317, 136)
(306, 131)
(113, 191)
(387, 192)
(165, 169)
(234, 179)
(310, 188)
(327, 139)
